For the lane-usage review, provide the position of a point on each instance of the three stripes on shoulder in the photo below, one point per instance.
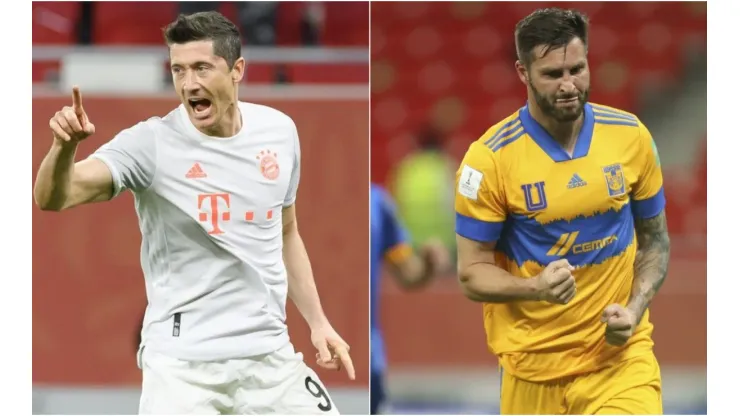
(513, 129)
(606, 115)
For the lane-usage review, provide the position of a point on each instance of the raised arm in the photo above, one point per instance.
(61, 183)
(126, 162)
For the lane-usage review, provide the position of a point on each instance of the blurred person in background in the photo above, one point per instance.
(220, 254)
(562, 235)
(257, 19)
(411, 269)
(422, 186)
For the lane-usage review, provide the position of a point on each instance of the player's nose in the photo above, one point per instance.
(568, 88)
(190, 83)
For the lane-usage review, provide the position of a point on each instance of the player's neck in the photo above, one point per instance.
(565, 133)
(230, 124)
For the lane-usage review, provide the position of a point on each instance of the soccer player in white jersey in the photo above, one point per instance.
(215, 184)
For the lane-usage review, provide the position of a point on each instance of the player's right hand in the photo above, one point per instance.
(556, 284)
(71, 125)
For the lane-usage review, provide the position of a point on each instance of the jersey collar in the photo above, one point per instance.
(552, 147)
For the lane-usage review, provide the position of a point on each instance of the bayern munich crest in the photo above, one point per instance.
(269, 165)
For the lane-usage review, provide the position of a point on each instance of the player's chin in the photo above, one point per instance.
(568, 114)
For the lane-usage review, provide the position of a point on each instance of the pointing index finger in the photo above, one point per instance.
(346, 362)
(77, 100)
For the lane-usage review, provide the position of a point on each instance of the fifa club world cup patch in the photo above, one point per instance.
(469, 184)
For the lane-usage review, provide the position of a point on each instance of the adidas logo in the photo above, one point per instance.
(195, 172)
(576, 182)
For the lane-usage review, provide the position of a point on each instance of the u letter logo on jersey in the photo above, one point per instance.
(534, 196)
(614, 179)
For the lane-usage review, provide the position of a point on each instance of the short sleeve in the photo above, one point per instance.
(131, 158)
(648, 199)
(480, 208)
(295, 174)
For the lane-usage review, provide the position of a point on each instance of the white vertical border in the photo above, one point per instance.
(15, 256)
(723, 148)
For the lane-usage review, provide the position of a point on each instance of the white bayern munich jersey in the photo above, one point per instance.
(209, 212)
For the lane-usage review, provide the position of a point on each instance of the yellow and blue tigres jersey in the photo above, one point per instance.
(517, 186)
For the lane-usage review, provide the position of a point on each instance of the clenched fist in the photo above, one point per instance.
(620, 324)
(71, 125)
(556, 284)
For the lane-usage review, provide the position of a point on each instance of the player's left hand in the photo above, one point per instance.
(333, 350)
(620, 324)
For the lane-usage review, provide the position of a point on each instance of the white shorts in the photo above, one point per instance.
(275, 383)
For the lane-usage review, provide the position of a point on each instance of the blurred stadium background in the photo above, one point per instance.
(308, 60)
(441, 75)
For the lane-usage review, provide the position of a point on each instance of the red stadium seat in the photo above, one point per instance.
(55, 23)
(289, 23)
(632, 46)
(347, 24)
(131, 23)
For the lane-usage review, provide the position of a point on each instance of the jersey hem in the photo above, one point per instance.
(230, 351)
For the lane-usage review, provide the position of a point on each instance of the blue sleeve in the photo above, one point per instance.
(393, 231)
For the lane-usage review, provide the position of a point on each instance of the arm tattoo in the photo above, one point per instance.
(651, 262)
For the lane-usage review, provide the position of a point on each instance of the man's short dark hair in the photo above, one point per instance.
(211, 26)
(552, 27)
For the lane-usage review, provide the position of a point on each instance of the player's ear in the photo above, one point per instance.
(237, 72)
(521, 71)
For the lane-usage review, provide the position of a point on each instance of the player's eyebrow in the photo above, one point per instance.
(554, 69)
(192, 65)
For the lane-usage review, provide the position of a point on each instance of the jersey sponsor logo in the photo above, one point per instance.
(269, 166)
(566, 244)
(576, 182)
(212, 215)
(534, 196)
(195, 172)
(614, 179)
(563, 245)
(470, 180)
(212, 210)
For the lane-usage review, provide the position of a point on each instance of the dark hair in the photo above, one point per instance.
(209, 25)
(552, 27)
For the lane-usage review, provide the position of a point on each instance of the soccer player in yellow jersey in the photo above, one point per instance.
(562, 236)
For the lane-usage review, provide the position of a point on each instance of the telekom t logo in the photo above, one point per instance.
(214, 218)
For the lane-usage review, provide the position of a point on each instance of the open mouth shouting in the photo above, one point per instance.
(201, 107)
